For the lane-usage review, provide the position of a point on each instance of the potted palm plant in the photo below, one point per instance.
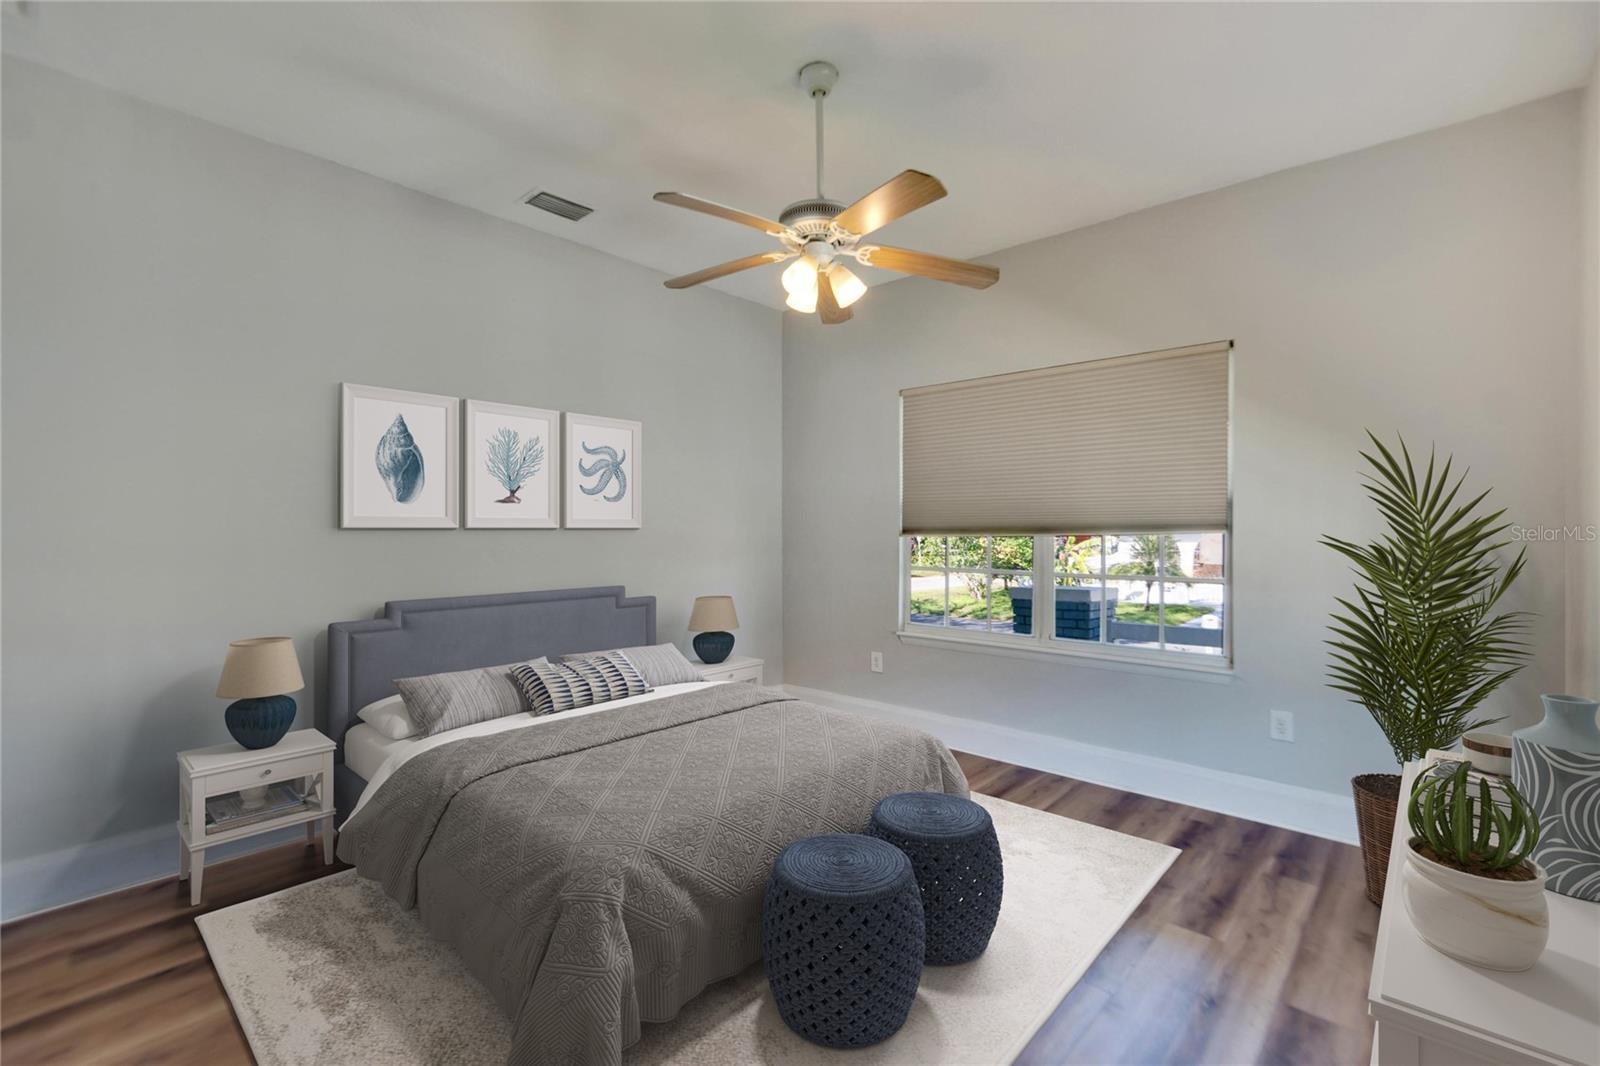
(1420, 644)
(1470, 886)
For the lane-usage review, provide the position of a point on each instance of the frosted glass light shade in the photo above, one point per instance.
(804, 302)
(260, 666)
(800, 276)
(713, 613)
(847, 288)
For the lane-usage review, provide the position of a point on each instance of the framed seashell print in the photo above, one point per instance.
(398, 459)
(604, 473)
(513, 467)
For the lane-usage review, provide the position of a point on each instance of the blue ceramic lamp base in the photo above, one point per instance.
(261, 721)
(714, 646)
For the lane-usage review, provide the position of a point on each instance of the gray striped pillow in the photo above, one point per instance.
(555, 687)
(658, 664)
(437, 702)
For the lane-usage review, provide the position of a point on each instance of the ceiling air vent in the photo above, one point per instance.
(554, 204)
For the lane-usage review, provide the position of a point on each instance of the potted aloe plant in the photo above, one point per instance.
(1469, 885)
(1420, 644)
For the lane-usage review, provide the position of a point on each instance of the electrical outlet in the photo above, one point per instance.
(1281, 726)
(877, 662)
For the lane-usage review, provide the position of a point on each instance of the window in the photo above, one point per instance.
(995, 472)
(967, 582)
(1160, 597)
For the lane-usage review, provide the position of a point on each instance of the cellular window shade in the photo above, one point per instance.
(1133, 444)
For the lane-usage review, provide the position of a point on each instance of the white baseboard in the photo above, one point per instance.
(1305, 810)
(44, 882)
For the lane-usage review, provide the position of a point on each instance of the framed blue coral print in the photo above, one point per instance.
(399, 459)
(604, 473)
(513, 466)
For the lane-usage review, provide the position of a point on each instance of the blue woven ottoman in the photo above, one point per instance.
(841, 935)
(956, 856)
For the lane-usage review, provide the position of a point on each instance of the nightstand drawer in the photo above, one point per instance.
(750, 674)
(266, 774)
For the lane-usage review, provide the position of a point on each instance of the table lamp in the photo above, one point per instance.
(258, 674)
(713, 616)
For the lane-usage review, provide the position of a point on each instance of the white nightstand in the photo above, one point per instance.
(733, 668)
(304, 758)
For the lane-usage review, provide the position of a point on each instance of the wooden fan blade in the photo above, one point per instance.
(732, 214)
(827, 305)
(937, 267)
(724, 269)
(900, 195)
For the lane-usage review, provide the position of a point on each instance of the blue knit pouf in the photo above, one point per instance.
(841, 937)
(956, 856)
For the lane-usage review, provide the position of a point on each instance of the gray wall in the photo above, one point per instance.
(181, 303)
(1424, 286)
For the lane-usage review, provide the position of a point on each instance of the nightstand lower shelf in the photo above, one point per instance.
(192, 854)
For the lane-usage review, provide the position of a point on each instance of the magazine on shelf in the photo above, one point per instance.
(228, 811)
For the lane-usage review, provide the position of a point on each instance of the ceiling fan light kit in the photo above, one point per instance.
(818, 232)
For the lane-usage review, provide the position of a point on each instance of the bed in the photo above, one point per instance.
(594, 870)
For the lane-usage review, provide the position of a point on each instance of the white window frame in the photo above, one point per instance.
(1043, 642)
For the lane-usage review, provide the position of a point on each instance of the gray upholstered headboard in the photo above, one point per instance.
(415, 637)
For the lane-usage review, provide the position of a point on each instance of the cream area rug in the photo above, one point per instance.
(333, 972)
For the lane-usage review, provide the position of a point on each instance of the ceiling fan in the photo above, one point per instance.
(818, 233)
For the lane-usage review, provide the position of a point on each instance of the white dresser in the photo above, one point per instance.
(1430, 1010)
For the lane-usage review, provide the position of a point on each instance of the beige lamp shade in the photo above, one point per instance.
(260, 666)
(712, 614)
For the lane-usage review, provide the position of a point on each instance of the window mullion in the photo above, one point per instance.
(1044, 584)
(1105, 595)
(988, 582)
(906, 569)
(1161, 591)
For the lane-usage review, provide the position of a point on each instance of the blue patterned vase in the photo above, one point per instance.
(1556, 766)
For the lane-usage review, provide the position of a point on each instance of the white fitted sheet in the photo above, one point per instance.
(365, 749)
(376, 757)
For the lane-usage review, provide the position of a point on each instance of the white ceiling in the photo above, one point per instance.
(1038, 118)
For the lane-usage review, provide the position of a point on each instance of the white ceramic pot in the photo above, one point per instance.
(1500, 925)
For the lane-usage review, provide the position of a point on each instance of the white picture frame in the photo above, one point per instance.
(603, 454)
(413, 483)
(500, 443)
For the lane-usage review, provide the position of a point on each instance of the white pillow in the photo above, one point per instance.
(389, 717)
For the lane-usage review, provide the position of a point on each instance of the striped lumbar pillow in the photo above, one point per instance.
(438, 702)
(555, 687)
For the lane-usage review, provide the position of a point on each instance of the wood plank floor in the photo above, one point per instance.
(1255, 947)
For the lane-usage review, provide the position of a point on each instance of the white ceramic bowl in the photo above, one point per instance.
(1488, 761)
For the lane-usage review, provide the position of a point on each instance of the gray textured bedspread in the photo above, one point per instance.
(600, 871)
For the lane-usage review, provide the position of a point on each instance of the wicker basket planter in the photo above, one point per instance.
(1377, 803)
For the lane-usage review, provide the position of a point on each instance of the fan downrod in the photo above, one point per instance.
(811, 218)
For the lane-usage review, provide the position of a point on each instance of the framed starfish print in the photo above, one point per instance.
(604, 460)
